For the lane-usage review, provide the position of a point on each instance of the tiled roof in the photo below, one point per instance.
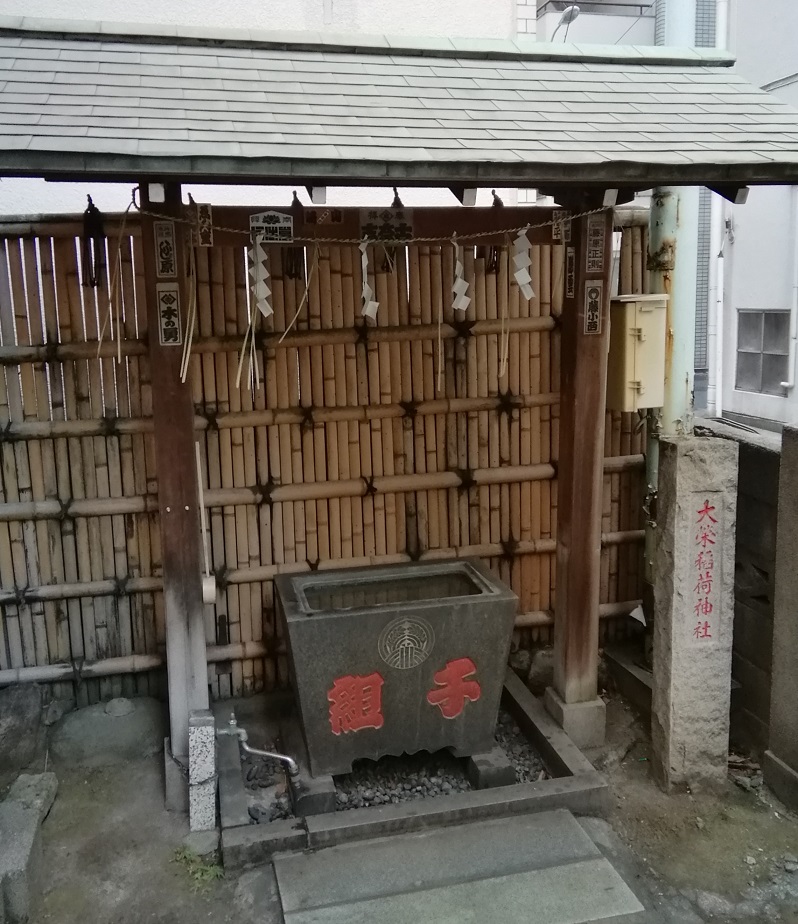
(274, 106)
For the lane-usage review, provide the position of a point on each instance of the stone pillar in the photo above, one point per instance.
(780, 766)
(201, 771)
(693, 609)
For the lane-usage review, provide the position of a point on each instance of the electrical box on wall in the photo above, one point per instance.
(636, 367)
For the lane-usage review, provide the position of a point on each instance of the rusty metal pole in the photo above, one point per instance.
(672, 265)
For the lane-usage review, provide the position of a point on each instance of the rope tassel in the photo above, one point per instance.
(370, 306)
(461, 300)
(521, 263)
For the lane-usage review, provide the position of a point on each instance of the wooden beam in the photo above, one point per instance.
(583, 385)
(328, 222)
(173, 425)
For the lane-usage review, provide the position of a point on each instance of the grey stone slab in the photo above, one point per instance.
(20, 717)
(91, 737)
(20, 860)
(35, 791)
(251, 845)
(586, 794)
(586, 891)
(442, 857)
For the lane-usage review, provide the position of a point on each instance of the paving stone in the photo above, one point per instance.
(34, 791)
(20, 860)
(91, 737)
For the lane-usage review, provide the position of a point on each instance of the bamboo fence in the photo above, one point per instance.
(399, 442)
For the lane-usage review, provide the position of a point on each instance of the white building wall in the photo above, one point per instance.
(761, 246)
(599, 28)
(460, 18)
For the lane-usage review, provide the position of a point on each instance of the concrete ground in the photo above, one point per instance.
(109, 847)
(109, 855)
(732, 854)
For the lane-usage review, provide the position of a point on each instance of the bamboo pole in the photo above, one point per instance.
(320, 491)
(91, 349)
(538, 618)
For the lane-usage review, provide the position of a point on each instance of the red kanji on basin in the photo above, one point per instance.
(455, 688)
(356, 703)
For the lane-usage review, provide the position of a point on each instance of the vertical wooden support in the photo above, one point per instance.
(583, 378)
(173, 419)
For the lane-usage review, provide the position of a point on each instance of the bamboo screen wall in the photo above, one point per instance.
(349, 452)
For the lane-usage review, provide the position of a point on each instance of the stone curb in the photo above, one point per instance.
(575, 785)
(21, 814)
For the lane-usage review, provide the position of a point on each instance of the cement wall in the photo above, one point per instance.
(755, 557)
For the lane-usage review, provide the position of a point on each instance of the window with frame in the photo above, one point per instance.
(763, 348)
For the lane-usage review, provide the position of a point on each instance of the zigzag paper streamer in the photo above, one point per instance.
(522, 261)
(369, 305)
(461, 300)
(260, 277)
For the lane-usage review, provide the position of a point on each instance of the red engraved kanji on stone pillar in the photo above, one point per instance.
(455, 688)
(356, 703)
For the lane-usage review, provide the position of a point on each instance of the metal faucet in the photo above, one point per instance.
(233, 728)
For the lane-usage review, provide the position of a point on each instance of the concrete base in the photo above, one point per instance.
(584, 723)
(310, 795)
(489, 769)
(233, 804)
(175, 781)
(782, 779)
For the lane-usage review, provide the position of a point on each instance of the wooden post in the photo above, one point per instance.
(583, 377)
(173, 423)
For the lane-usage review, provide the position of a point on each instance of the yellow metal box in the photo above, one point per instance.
(636, 368)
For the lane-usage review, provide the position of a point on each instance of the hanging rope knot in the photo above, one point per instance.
(466, 476)
(263, 492)
(508, 402)
(463, 328)
(410, 408)
(120, 586)
(509, 549)
(93, 245)
(221, 574)
(6, 433)
(308, 423)
(362, 331)
(312, 563)
(108, 424)
(370, 488)
(64, 512)
(211, 418)
(77, 670)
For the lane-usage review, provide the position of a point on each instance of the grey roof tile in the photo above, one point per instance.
(293, 104)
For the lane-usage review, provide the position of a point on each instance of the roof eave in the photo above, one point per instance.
(274, 171)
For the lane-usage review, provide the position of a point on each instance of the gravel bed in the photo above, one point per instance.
(389, 780)
(525, 759)
(267, 789)
(392, 780)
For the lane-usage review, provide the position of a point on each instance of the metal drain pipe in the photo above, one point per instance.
(233, 728)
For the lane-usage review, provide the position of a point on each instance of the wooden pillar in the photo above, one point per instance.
(583, 385)
(163, 242)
